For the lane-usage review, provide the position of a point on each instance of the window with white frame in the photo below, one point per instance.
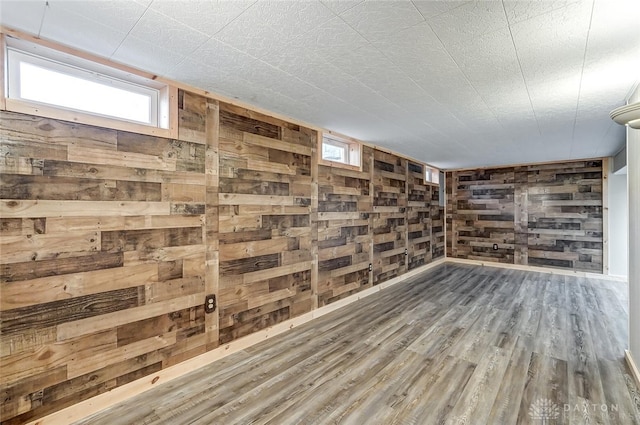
(432, 175)
(93, 89)
(339, 150)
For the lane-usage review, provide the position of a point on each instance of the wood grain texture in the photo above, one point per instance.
(419, 227)
(111, 240)
(389, 216)
(98, 230)
(546, 215)
(265, 237)
(437, 225)
(460, 347)
(344, 235)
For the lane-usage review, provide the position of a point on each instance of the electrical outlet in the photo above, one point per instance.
(406, 251)
(370, 267)
(210, 304)
(495, 246)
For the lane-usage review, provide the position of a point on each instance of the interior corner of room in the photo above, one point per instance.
(211, 209)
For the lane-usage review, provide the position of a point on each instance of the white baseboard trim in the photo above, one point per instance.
(538, 269)
(632, 367)
(117, 395)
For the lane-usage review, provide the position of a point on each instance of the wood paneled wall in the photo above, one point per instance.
(437, 225)
(111, 242)
(265, 226)
(389, 216)
(419, 226)
(103, 252)
(542, 215)
(344, 231)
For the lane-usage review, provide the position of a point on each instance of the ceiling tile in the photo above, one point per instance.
(262, 74)
(167, 34)
(552, 46)
(331, 39)
(521, 10)
(120, 15)
(147, 56)
(294, 18)
(378, 19)
(208, 17)
(220, 55)
(487, 59)
(339, 6)
(469, 20)
(431, 8)
(253, 35)
(22, 15)
(267, 27)
(69, 29)
(202, 76)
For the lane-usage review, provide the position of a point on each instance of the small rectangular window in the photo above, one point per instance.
(341, 151)
(332, 150)
(432, 175)
(50, 82)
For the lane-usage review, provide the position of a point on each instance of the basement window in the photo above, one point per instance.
(49, 80)
(432, 175)
(342, 151)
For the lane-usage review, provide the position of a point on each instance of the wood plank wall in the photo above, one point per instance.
(546, 215)
(344, 231)
(419, 227)
(265, 221)
(389, 216)
(437, 225)
(103, 253)
(111, 242)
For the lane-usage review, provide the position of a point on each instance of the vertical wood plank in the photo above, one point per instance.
(315, 157)
(211, 219)
(606, 171)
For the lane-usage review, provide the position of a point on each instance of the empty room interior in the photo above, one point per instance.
(319, 212)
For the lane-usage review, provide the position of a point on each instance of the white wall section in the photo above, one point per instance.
(633, 174)
(618, 224)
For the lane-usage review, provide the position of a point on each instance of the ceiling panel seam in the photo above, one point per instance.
(129, 31)
(524, 80)
(584, 60)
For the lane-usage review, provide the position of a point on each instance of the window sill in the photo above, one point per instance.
(335, 164)
(31, 108)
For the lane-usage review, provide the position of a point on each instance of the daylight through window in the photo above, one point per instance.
(46, 81)
(341, 151)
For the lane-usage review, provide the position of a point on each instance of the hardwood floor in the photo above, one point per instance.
(457, 344)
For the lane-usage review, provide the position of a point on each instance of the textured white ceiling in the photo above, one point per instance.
(453, 83)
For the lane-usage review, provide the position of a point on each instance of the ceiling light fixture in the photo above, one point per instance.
(627, 114)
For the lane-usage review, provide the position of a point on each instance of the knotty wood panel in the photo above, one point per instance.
(111, 240)
(564, 215)
(482, 208)
(389, 216)
(546, 215)
(119, 233)
(344, 237)
(437, 224)
(265, 230)
(419, 195)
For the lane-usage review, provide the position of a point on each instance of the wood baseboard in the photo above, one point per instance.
(632, 367)
(538, 269)
(100, 402)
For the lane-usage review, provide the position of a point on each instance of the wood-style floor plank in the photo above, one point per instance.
(457, 344)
